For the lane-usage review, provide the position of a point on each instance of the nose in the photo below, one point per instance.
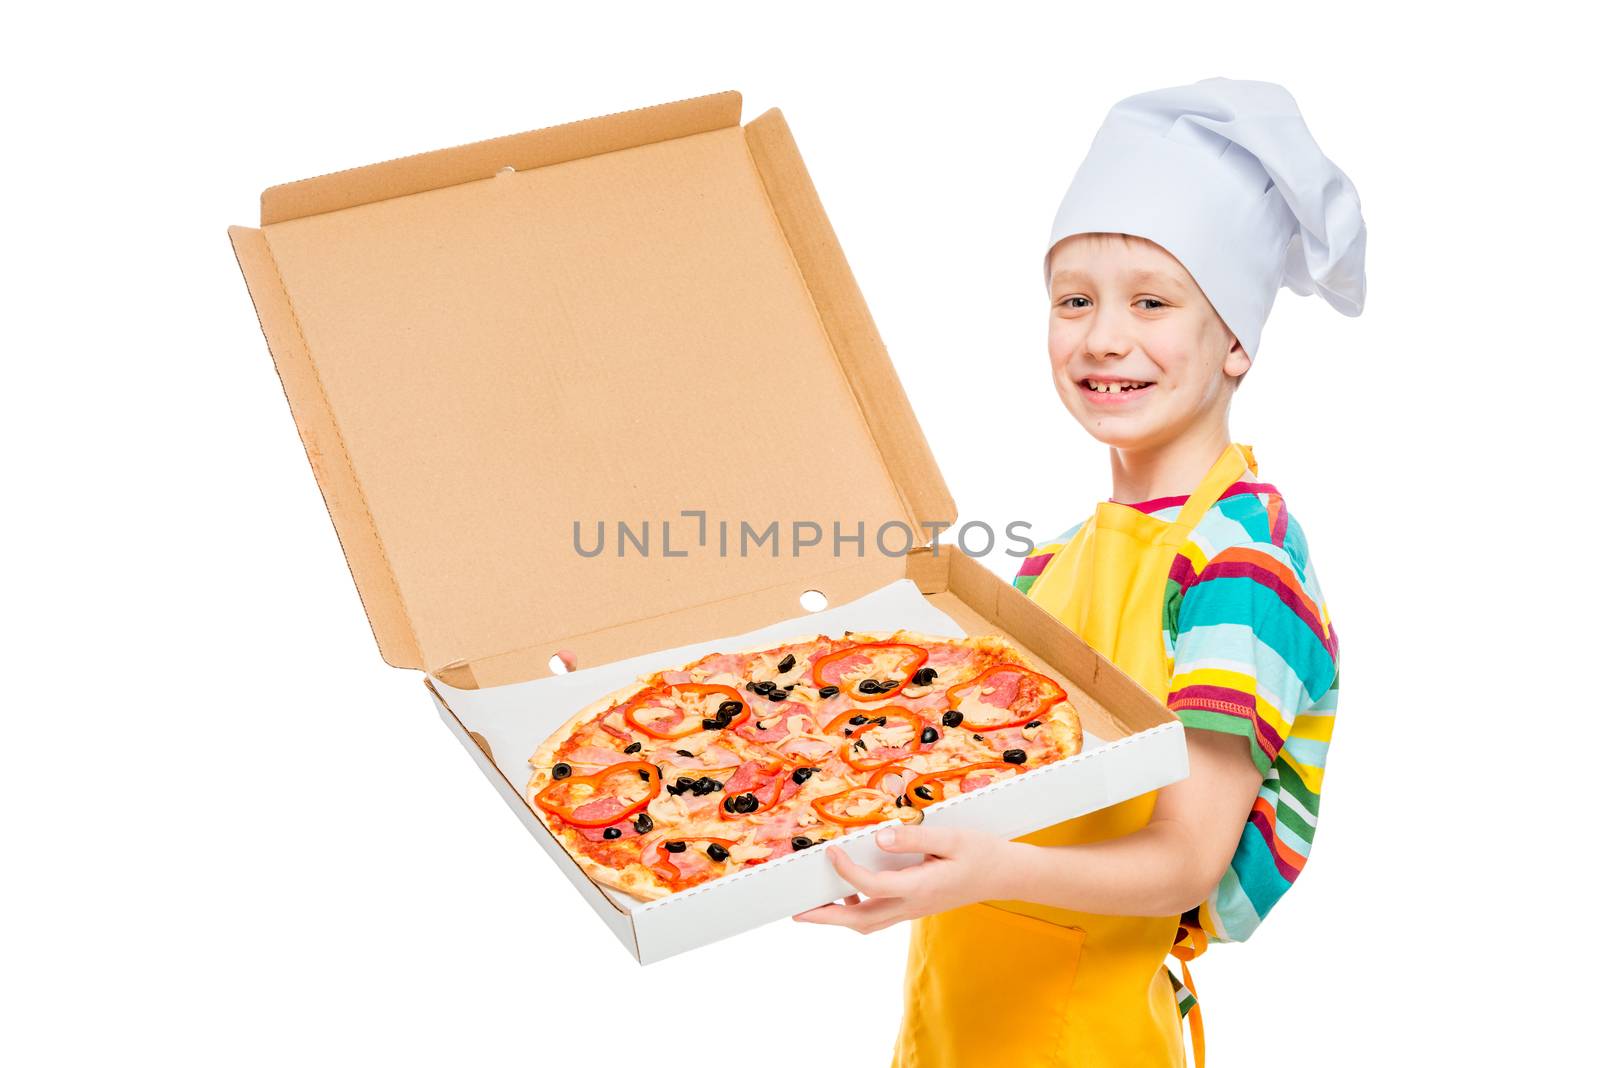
(1107, 339)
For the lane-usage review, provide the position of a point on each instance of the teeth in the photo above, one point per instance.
(1115, 387)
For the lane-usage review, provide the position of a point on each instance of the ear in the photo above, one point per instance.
(1236, 362)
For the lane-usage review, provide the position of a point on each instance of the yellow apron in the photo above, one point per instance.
(1017, 984)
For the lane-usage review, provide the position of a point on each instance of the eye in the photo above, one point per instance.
(1067, 302)
(1151, 300)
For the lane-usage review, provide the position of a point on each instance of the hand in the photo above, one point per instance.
(962, 866)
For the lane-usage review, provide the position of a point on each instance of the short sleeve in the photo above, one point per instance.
(1252, 650)
(1038, 559)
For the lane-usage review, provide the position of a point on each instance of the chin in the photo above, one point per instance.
(1108, 432)
(1116, 431)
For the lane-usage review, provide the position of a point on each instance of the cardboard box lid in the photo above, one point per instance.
(610, 320)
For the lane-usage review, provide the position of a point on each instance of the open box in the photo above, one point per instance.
(496, 351)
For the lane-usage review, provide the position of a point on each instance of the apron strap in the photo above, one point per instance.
(1189, 1009)
(1228, 469)
(1188, 944)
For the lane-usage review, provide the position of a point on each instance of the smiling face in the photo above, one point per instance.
(1139, 355)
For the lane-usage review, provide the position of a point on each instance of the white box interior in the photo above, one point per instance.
(513, 720)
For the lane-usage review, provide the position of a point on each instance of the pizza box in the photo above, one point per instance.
(639, 325)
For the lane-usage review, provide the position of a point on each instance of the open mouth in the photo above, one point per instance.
(1118, 386)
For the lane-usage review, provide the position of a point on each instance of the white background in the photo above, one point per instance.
(193, 865)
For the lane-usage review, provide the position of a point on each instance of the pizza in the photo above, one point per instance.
(738, 759)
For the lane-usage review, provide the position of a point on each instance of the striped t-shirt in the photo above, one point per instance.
(1250, 651)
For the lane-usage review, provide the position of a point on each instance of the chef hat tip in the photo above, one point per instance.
(1225, 175)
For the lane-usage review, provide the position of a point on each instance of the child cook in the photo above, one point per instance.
(1192, 207)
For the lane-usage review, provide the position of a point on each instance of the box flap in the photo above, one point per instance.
(495, 353)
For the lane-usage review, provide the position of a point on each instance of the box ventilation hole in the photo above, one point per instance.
(813, 601)
(562, 663)
(505, 170)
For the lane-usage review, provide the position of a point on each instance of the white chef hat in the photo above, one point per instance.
(1225, 176)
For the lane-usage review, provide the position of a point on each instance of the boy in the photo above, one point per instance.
(1193, 206)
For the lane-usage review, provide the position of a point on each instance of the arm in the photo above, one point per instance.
(1161, 870)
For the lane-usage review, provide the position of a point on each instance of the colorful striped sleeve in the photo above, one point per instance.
(1034, 563)
(1255, 655)
(1251, 649)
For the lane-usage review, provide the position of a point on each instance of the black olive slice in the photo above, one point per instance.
(828, 691)
(716, 851)
(786, 663)
(611, 832)
(858, 720)
(634, 748)
(929, 735)
(924, 793)
(951, 718)
(643, 823)
(800, 842)
(1014, 756)
(924, 676)
(561, 770)
(676, 847)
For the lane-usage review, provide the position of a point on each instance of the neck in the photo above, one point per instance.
(1171, 469)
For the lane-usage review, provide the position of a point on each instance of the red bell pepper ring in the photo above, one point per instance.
(886, 770)
(548, 798)
(672, 874)
(893, 712)
(1050, 694)
(912, 659)
(697, 689)
(935, 780)
(824, 807)
(783, 771)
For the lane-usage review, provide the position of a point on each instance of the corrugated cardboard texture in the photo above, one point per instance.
(615, 337)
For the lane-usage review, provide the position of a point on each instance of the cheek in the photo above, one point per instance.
(1061, 342)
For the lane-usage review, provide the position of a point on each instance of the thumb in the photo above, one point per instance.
(916, 838)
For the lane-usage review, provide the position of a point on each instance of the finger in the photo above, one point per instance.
(873, 883)
(853, 899)
(872, 915)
